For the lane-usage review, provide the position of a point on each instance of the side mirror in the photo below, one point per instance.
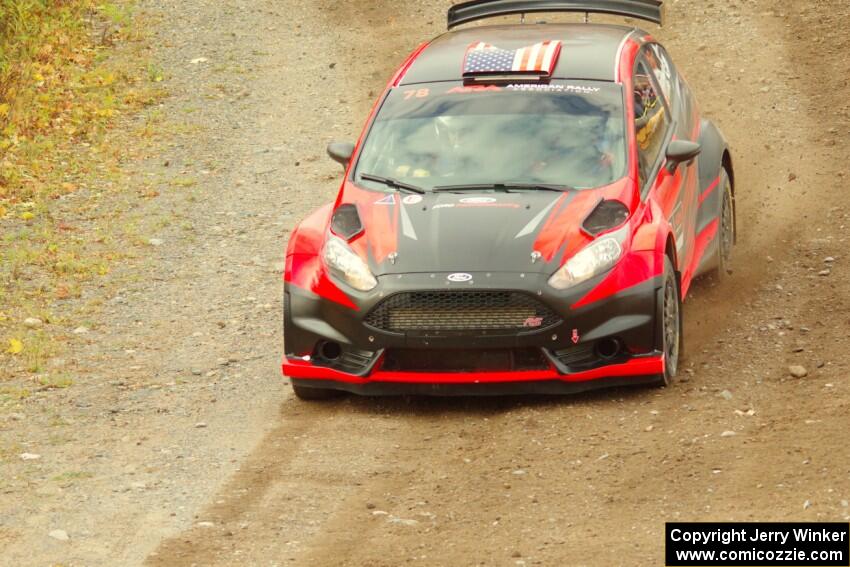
(681, 151)
(341, 152)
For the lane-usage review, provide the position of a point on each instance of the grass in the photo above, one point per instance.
(71, 476)
(69, 73)
(184, 182)
(57, 382)
(11, 395)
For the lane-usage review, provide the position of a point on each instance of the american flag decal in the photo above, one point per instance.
(538, 59)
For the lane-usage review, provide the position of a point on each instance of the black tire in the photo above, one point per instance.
(670, 323)
(726, 232)
(308, 393)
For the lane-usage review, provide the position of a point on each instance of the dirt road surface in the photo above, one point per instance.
(179, 444)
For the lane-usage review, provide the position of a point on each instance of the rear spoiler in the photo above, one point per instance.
(465, 12)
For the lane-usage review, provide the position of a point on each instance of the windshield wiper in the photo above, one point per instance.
(394, 183)
(505, 187)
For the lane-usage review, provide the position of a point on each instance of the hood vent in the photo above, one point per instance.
(346, 222)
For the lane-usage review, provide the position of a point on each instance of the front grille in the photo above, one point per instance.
(464, 360)
(435, 311)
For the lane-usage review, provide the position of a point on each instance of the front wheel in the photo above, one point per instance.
(670, 315)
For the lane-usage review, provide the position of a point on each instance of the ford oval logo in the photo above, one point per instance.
(460, 278)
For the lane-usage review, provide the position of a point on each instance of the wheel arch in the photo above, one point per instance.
(726, 163)
(713, 159)
(308, 235)
(670, 249)
(714, 153)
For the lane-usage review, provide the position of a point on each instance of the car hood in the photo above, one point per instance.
(468, 232)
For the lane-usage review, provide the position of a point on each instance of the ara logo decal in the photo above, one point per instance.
(533, 322)
(460, 278)
(474, 89)
(478, 200)
(388, 200)
(576, 338)
(412, 200)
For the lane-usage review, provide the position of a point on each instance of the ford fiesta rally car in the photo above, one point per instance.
(525, 211)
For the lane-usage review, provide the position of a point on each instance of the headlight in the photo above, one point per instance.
(346, 265)
(598, 257)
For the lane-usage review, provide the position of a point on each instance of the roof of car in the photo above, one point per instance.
(589, 52)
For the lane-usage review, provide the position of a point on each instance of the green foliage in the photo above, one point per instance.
(68, 70)
(55, 90)
(118, 14)
(38, 38)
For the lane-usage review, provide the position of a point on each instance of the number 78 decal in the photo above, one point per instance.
(416, 93)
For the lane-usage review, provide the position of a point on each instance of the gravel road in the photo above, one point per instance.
(179, 443)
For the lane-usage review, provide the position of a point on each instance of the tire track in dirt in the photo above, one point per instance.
(552, 481)
(465, 457)
(293, 478)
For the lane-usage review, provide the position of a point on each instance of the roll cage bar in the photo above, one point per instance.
(473, 10)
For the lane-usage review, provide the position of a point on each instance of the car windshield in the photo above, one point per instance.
(447, 134)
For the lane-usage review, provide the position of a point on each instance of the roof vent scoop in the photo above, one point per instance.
(487, 61)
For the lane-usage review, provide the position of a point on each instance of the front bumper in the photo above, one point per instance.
(568, 363)
(644, 370)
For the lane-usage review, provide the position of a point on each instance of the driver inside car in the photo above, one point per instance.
(442, 139)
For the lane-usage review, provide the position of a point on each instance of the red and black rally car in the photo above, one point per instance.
(524, 213)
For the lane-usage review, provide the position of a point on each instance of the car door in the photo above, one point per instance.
(685, 127)
(659, 118)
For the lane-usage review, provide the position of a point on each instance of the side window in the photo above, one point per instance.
(651, 120)
(662, 68)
